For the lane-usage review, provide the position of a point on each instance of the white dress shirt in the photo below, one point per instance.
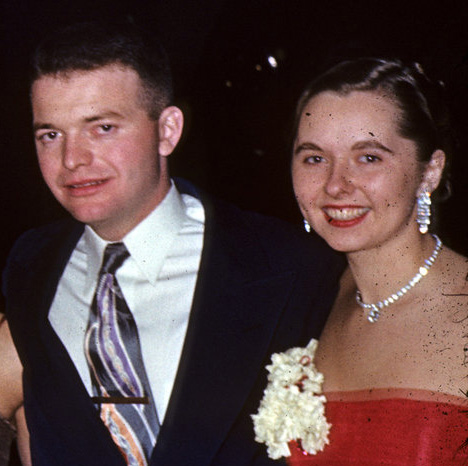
(157, 280)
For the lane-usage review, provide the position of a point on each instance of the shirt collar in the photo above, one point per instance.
(148, 243)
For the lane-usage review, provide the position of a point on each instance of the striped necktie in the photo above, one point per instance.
(118, 375)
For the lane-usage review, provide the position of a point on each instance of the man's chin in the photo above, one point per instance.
(92, 218)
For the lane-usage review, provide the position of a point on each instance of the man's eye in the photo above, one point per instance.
(314, 159)
(50, 136)
(106, 128)
(370, 158)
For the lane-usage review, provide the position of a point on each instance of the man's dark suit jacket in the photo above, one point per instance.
(261, 288)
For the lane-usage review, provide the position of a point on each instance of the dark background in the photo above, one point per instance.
(238, 108)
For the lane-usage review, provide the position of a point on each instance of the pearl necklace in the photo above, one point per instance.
(374, 309)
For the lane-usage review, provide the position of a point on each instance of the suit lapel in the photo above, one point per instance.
(237, 304)
(54, 381)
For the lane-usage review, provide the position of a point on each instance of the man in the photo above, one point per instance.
(212, 291)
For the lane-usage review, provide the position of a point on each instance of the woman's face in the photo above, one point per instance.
(355, 178)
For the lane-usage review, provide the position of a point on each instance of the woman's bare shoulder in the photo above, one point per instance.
(447, 323)
(453, 271)
(451, 288)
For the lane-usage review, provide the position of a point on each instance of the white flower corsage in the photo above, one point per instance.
(292, 407)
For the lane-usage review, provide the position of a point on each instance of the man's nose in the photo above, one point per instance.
(75, 153)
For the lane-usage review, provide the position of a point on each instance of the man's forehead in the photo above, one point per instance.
(80, 74)
(85, 94)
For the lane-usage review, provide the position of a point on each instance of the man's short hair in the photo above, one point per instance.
(91, 45)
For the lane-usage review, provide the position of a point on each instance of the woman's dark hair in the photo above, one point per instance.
(424, 114)
(91, 45)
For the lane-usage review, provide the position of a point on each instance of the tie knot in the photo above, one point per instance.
(114, 256)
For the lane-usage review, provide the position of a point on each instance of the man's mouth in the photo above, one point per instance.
(85, 184)
(84, 188)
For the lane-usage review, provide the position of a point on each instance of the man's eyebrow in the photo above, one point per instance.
(370, 144)
(103, 116)
(307, 146)
(38, 126)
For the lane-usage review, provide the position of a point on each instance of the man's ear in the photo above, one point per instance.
(170, 125)
(433, 171)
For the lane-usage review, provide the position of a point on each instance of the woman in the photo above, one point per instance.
(370, 148)
(12, 418)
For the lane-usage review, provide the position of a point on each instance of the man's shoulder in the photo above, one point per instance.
(37, 257)
(289, 240)
(284, 245)
(284, 242)
(41, 241)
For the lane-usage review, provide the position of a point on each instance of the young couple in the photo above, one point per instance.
(144, 324)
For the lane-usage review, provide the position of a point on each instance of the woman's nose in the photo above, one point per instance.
(340, 180)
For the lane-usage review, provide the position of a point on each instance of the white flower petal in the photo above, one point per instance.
(292, 407)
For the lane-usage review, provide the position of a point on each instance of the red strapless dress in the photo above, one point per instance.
(392, 428)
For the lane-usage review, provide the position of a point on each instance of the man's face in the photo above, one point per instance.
(100, 153)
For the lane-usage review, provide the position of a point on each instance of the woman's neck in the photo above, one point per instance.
(383, 270)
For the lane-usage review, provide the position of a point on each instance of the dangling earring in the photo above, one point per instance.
(307, 227)
(424, 211)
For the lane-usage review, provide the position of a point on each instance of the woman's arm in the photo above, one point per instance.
(23, 437)
(11, 391)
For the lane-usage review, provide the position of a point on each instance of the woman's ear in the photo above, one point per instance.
(433, 171)
(170, 125)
